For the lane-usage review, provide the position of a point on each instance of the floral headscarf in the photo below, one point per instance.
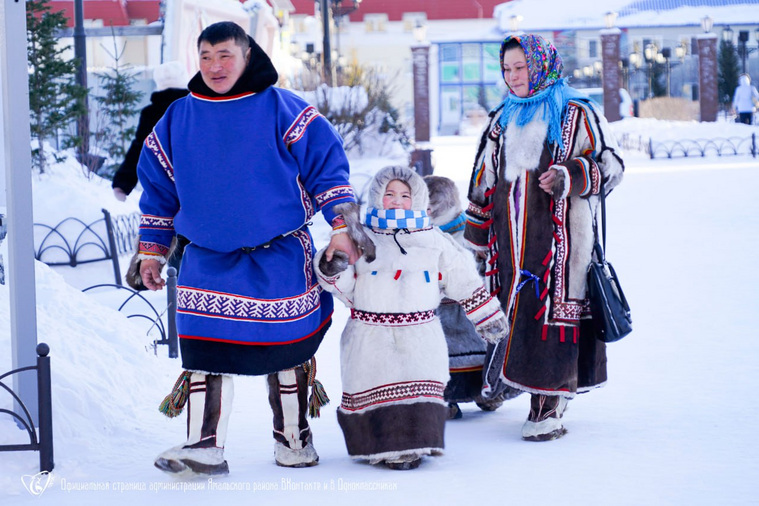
(548, 94)
(544, 65)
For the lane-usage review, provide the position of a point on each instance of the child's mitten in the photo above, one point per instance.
(350, 212)
(494, 329)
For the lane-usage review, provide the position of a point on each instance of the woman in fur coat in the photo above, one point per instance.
(542, 161)
(394, 360)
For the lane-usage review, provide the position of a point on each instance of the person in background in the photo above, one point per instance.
(745, 100)
(393, 354)
(170, 84)
(542, 161)
(240, 167)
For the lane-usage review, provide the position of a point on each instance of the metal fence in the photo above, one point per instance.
(719, 146)
(44, 442)
(168, 331)
(73, 242)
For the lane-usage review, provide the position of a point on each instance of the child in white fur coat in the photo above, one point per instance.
(394, 359)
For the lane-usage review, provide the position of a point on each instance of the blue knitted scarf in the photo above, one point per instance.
(547, 104)
(391, 219)
(455, 225)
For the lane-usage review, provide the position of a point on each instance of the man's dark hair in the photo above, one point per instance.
(224, 31)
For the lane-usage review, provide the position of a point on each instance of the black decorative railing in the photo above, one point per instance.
(103, 239)
(719, 146)
(168, 332)
(44, 442)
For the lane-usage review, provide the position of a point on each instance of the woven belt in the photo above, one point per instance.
(250, 249)
(393, 319)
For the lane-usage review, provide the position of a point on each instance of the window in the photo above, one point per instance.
(592, 49)
(375, 22)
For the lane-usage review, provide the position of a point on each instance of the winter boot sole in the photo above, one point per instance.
(489, 406)
(404, 466)
(550, 436)
(187, 468)
(304, 457)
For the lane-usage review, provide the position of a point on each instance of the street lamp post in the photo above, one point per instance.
(650, 53)
(666, 53)
(743, 48)
(341, 8)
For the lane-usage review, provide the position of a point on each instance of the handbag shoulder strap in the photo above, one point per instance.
(598, 248)
(603, 215)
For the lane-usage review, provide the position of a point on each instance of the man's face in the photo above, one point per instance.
(221, 65)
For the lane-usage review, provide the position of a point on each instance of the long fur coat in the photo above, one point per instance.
(539, 245)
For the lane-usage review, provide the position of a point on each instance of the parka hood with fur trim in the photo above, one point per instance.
(420, 198)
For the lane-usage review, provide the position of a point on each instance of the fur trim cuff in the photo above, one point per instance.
(145, 256)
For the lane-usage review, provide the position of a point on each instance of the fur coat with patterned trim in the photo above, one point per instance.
(393, 353)
(539, 246)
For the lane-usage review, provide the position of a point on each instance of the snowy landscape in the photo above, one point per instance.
(674, 424)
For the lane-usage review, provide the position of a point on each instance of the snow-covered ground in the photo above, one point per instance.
(674, 425)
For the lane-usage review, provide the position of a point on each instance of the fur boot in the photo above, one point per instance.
(352, 217)
(208, 408)
(288, 397)
(544, 420)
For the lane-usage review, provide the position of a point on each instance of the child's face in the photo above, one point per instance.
(397, 195)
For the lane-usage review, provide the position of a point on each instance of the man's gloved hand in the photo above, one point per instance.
(335, 266)
(495, 329)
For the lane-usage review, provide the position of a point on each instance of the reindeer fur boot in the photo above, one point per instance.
(209, 404)
(288, 397)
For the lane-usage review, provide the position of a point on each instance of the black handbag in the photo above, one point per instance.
(608, 305)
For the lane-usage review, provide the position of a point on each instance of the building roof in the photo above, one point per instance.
(435, 9)
(112, 12)
(541, 15)
(668, 5)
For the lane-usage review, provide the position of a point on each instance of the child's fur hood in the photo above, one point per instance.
(419, 195)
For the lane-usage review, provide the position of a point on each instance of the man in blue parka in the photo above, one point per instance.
(239, 167)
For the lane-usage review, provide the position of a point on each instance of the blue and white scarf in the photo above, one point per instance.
(455, 225)
(391, 219)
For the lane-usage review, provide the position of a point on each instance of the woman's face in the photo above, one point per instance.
(397, 195)
(515, 72)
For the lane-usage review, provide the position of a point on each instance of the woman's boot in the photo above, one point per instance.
(544, 420)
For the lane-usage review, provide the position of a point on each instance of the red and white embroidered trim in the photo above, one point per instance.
(393, 319)
(392, 393)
